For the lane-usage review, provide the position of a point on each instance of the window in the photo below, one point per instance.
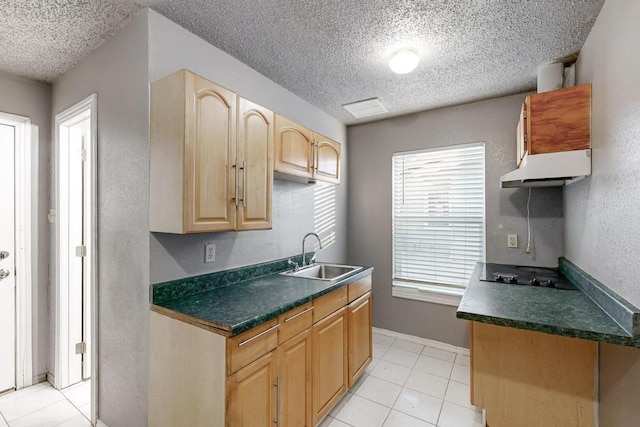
(438, 221)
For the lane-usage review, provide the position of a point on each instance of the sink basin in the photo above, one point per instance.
(327, 272)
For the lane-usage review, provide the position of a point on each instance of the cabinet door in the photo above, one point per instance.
(360, 336)
(559, 120)
(252, 394)
(293, 148)
(329, 362)
(295, 381)
(254, 171)
(209, 153)
(327, 160)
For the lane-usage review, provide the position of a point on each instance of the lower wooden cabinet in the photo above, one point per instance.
(252, 393)
(360, 336)
(287, 372)
(275, 389)
(295, 403)
(516, 373)
(330, 380)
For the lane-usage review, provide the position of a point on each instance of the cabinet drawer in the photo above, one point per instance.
(329, 303)
(359, 288)
(250, 345)
(294, 321)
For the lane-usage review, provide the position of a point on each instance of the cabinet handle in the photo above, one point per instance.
(235, 166)
(277, 385)
(315, 156)
(244, 184)
(271, 329)
(298, 315)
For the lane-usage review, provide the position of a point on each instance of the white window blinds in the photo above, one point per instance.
(438, 215)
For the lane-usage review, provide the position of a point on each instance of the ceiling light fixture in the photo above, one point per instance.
(404, 61)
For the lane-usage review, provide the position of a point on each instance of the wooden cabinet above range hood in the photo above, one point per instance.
(553, 139)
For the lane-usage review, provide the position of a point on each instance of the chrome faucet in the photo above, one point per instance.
(304, 261)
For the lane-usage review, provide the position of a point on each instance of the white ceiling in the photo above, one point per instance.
(330, 52)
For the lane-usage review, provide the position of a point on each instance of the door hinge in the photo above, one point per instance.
(81, 348)
(52, 216)
(83, 155)
(81, 251)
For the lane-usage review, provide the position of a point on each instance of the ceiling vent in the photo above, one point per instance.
(366, 108)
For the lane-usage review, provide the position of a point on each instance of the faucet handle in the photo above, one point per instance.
(313, 259)
(295, 265)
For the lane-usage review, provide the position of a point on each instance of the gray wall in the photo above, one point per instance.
(602, 232)
(32, 99)
(117, 72)
(175, 256)
(369, 223)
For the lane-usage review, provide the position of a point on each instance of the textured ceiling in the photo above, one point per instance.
(329, 52)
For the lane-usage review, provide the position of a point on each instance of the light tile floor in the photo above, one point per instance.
(408, 385)
(43, 406)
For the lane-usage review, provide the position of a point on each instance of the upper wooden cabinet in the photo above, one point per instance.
(302, 153)
(211, 158)
(254, 166)
(554, 121)
(293, 148)
(327, 159)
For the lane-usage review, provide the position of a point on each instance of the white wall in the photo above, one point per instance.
(602, 230)
(117, 71)
(32, 99)
(172, 48)
(371, 149)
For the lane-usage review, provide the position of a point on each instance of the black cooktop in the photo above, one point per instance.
(525, 276)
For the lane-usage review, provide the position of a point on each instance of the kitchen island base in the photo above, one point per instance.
(525, 378)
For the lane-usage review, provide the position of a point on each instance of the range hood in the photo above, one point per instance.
(549, 169)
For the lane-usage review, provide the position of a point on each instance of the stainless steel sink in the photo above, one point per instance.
(326, 272)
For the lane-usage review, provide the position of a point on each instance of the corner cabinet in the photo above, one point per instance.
(304, 154)
(211, 158)
(288, 372)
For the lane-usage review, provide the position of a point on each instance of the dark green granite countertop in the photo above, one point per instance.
(553, 311)
(237, 307)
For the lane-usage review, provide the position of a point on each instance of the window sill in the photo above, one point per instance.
(434, 294)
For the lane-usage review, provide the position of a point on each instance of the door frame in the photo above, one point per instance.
(89, 105)
(26, 198)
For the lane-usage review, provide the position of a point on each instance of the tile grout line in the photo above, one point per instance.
(33, 412)
(74, 405)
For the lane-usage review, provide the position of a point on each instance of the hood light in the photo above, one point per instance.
(404, 61)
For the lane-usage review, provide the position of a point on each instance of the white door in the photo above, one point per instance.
(76, 253)
(7, 259)
(75, 245)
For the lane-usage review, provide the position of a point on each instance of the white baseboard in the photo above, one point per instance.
(423, 341)
(51, 379)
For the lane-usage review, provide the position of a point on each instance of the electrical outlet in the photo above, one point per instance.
(512, 240)
(209, 252)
